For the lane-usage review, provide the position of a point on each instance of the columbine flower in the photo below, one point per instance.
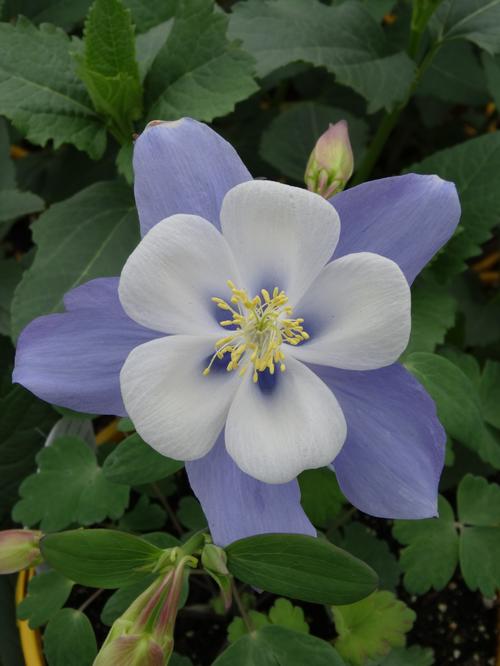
(314, 301)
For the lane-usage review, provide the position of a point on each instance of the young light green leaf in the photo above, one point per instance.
(288, 141)
(198, 72)
(69, 639)
(345, 39)
(89, 235)
(68, 488)
(472, 166)
(477, 21)
(272, 645)
(434, 542)
(371, 627)
(285, 614)
(134, 462)
(320, 495)
(46, 102)
(108, 66)
(48, 591)
(100, 558)
(237, 627)
(301, 567)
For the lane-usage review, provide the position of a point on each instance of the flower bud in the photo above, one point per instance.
(331, 162)
(131, 650)
(19, 550)
(214, 561)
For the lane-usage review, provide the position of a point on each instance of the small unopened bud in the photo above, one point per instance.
(131, 650)
(331, 162)
(214, 561)
(19, 550)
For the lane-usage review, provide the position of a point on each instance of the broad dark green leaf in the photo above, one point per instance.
(148, 45)
(345, 39)
(14, 203)
(108, 66)
(320, 495)
(11, 272)
(288, 141)
(39, 91)
(61, 12)
(489, 392)
(191, 514)
(7, 169)
(135, 463)
(68, 488)
(89, 235)
(301, 567)
(433, 541)
(69, 639)
(198, 72)
(473, 167)
(475, 20)
(277, 646)
(48, 591)
(143, 517)
(100, 558)
(148, 13)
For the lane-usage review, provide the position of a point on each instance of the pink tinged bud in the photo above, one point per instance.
(19, 550)
(131, 650)
(331, 162)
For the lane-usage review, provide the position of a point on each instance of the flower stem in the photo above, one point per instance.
(244, 615)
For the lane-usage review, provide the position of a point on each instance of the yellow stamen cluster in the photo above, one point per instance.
(261, 324)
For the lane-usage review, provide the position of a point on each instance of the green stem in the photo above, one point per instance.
(244, 615)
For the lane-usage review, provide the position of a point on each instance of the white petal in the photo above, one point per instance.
(357, 313)
(281, 236)
(169, 279)
(174, 407)
(273, 436)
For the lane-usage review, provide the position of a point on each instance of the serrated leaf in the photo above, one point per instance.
(134, 462)
(89, 235)
(100, 558)
(475, 20)
(39, 91)
(69, 639)
(61, 12)
(472, 166)
(48, 591)
(413, 656)
(371, 627)
(362, 543)
(285, 614)
(288, 141)
(345, 39)
(433, 311)
(433, 541)
(149, 13)
(108, 66)
(145, 516)
(198, 72)
(301, 567)
(237, 627)
(320, 495)
(277, 646)
(68, 488)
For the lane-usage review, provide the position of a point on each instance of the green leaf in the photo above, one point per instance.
(237, 627)
(61, 12)
(434, 542)
(413, 656)
(191, 514)
(68, 488)
(477, 21)
(14, 203)
(371, 627)
(149, 13)
(277, 646)
(48, 591)
(144, 516)
(491, 66)
(87, 236)
(479, 511)
(433, 312)
(198, 72)
(134, 462)
(120, 600)
(288, 141)
(301, 567)
(108, 66)
(7, 169)
(489, 392)
(361, 542)
(46, 102)
(100, 558)
(69, 639)
(472, 166)
(148, 46)
(285, 614)
(11, 272)
(320, 495)
(345, 39)
(23, 420)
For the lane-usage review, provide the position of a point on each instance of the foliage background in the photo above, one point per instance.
(420, 87)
